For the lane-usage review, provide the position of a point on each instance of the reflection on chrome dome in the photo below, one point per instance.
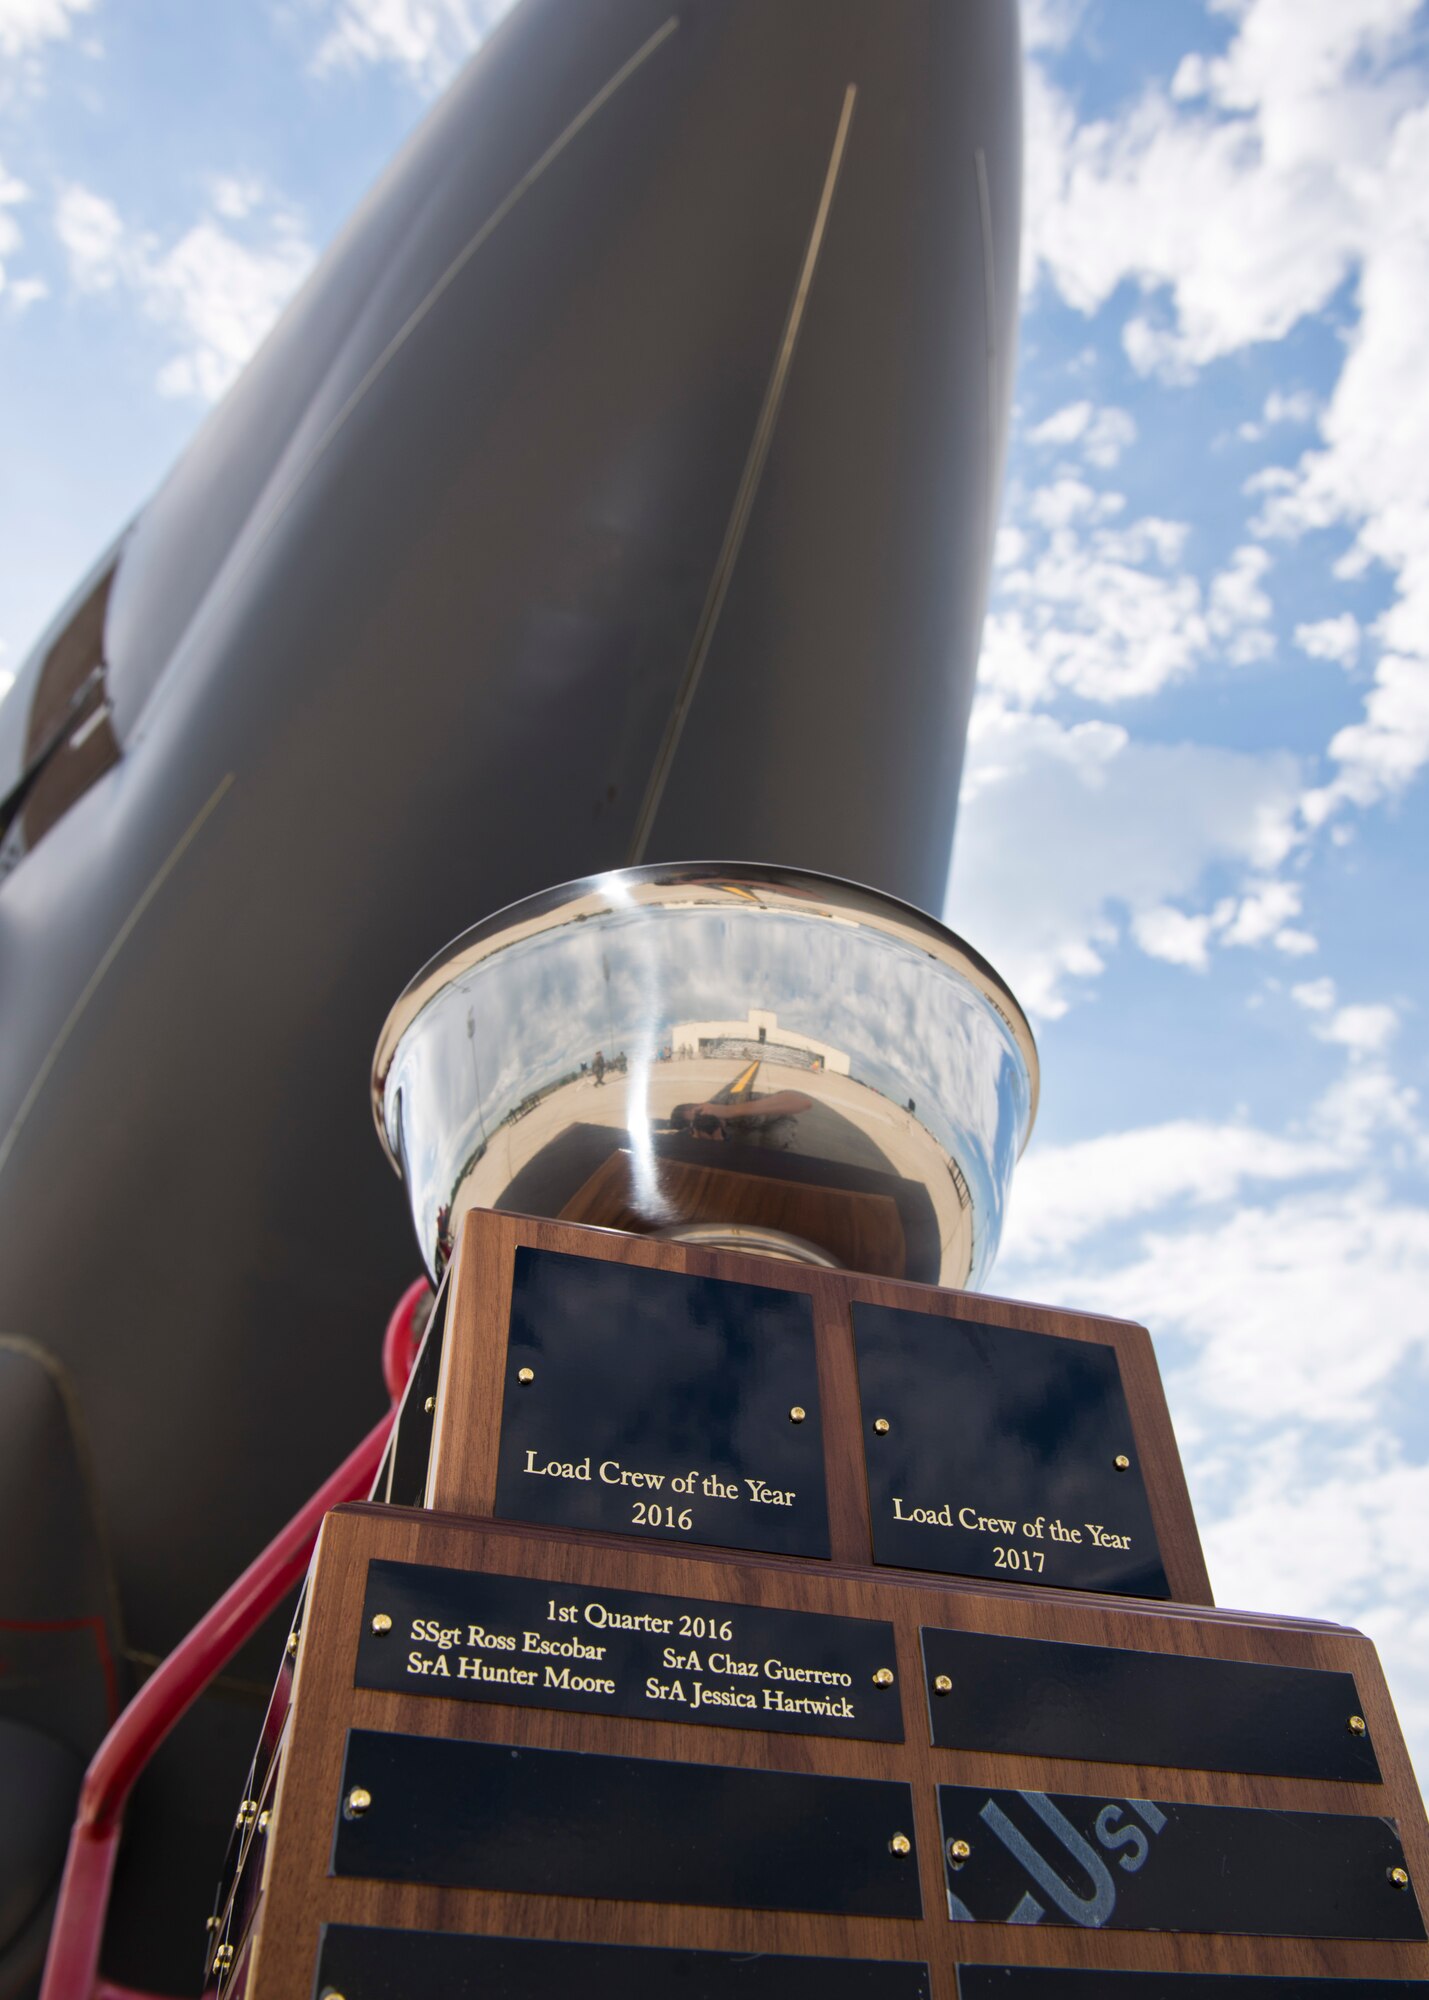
(755, 1057)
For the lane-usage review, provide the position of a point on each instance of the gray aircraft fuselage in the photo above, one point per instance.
(620, 487)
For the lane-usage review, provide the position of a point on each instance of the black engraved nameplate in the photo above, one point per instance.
(516, 1639)
(1104, 1705)
(662, 1405)
(994, 1451)
(568, 1823)
(1025, 1982)
(368, 1964)
(1153, 1865)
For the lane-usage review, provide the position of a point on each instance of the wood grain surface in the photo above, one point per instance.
(462, 1479)
(299, 1895)
(864, 1231)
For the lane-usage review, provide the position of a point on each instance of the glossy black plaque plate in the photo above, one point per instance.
(660, 1407)
(1152, 1865)
(1021, 1982)
(564, 1823)
(1102, 1705)
(1000, 1455)
(480, 1637)
(395, 1965)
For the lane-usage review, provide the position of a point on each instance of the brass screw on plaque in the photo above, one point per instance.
(1399, 1877)
(1122, 1462)
(210, 1923)
(292, 1644)
(1357, 1725)
(265, 1820)
(883, 1678)
(882, 1426)
(381, 1622)
(797, 1414)
(357, 1802)
(943, 1684)
(900, 1844)
(959, 1852)
(223, 1958)
(247, 1813)
(524, 1375)
(429, 1406)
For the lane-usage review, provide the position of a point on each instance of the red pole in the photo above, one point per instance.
(73, 1963)
(72, 1967)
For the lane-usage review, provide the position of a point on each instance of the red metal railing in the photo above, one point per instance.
(72, 1968)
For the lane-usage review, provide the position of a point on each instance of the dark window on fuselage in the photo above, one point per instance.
(62, 737)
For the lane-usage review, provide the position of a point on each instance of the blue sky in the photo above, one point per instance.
(1194, 823)
(1195, 816)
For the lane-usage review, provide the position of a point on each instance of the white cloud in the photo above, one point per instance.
(1238, 204)
(1049, 24)
(12, 193)
(1062, 828)
(1064, 1194)
(1239, 609)
(25, 24)
(1297, 1311)
(1371, 473)
(213, 293)
(1261, 914)
(1281, 407)
(236, 195)
(1318, 1528)
(1383, 754)
(1291, 1322)
(1088, 605)
(1060, 502)
(93, 238)
(428, 39)
(1087, 614)
(1165, 932)
(1284, 1272)
(1336, 639)
(1101, 434)
(1365, 1030)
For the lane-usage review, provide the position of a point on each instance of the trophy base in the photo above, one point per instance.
(535, 1763)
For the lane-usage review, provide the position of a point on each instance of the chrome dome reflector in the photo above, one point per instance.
(749, 1056)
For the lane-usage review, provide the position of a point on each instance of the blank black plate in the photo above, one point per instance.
(1016, 1982)
(395, 1965)
(1013, 1430)
(687, 1382)
(1144, 1865)
(515, 1639)
(1102, 1705)
(563, 1823)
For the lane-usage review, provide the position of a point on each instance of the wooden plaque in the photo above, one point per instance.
(335, 1849)
(743, 1628)
(602, 1405)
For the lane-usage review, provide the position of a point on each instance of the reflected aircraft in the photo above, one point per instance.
(738, 1107)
